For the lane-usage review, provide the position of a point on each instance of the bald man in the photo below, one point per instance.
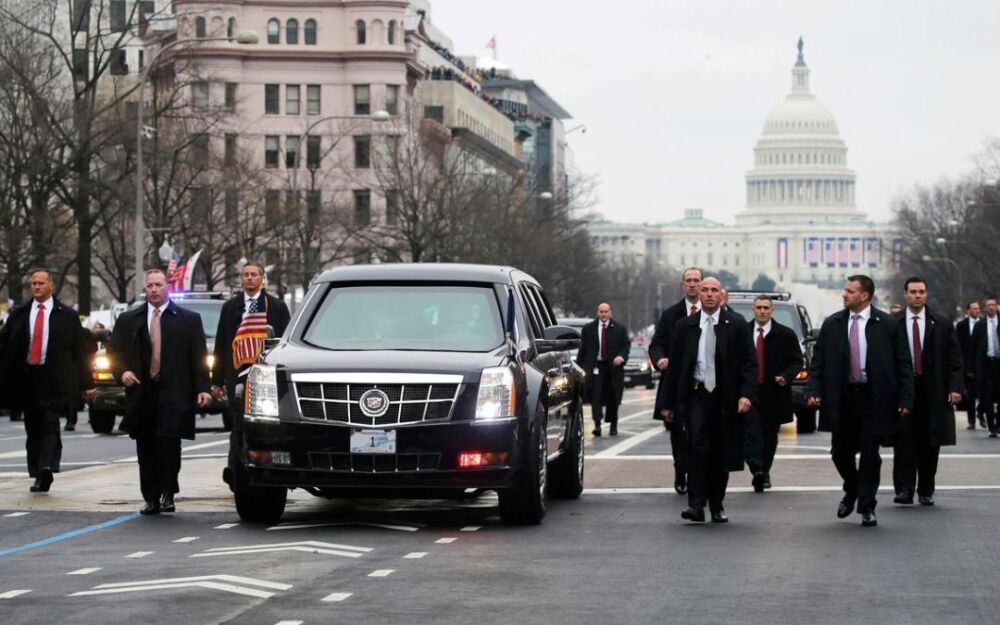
(603, 353)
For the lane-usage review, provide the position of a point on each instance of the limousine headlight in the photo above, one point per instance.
(262, 391)
(496, 394)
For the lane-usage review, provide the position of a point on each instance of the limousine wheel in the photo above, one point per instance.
(257, 504)
(567, 471)
(525, 503)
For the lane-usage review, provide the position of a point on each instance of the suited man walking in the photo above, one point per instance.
(44, 372)
(659, 354)
(779, 359)
(986, 354)
(711, 384)
(253, 301)
(964, 330)
(861, 379)
(937, 385)
(158, 353)
(603, 353)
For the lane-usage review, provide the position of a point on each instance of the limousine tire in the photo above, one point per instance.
(524, 504)
(102, 421)
(257, 504)
(567, 470)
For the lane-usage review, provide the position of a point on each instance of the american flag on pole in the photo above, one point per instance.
(842, 252)
(855, 252)
(249, 340)
(897, 252)
(829, 252)
(812, 251)
(179, 277)
(873, 252)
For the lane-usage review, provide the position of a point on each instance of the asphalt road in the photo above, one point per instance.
(620, 554)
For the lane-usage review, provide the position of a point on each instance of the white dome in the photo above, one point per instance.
(799, 115)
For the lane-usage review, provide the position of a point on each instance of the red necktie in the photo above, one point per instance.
(760, 355)
(35, 355)
(694, 309)
(918, 352)
(604, 341)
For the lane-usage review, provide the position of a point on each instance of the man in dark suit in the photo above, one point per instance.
(158, 353)
(603, 353)
(964, 331)
(861, 379)
(711, 384)
(779, 359)
(986, 353)
(44, 368)
(253, 299)
(937, 385)
(659, 353)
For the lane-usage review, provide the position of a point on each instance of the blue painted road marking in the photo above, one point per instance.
(68, 535)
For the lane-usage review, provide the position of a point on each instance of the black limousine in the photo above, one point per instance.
(415, 380)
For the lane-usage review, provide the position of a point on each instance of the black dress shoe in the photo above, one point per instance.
(903, 499)
(152, 507)
(680, 484)
(767, 481)
(167, 502)
(43, 481)
(596, 432)
(614, 430)
(868, 518)
(696, 515)
(719, 516)
(982, 421)
(926, 500)
(970, 427)
(993, 434)
(758, 482)
(845, 508)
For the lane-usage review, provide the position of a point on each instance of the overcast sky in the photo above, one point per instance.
(674, 92)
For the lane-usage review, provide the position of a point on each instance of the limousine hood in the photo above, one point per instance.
(301, 359)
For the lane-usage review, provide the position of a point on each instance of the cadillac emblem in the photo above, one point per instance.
(374, 403)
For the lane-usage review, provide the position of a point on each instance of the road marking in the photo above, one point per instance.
(385, 526)
(415, 555)
(88, 571)
(471, 528)
(212, 582)
(16, 514)
(778, 489)
(10, 594)
(603, 456)
(288, 623)
(186, 539)
(306, 546)
(68, 535)
(226, 526)
(336, 597)
(140, 554)
(382, 573)
(224, 441)
(13, 475)
(13, 454)
(445, 541)
(196, 456)
(629, 443)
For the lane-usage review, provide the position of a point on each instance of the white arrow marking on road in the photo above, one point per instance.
(307, 546)
(415, 555)
(382, 573)
(385, 526)
(335, 597)
(10, 594)
(226, 526)
(140, 554)
(15, 514)
(445, 541)
(88, 571)
(212, 582)
(186, 539)
(471, 528)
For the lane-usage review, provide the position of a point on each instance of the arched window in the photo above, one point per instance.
(231, 27)
(273, 31)
(310, 32)
(391, 33)
(200, 30)
(362, 32)
(292, 31)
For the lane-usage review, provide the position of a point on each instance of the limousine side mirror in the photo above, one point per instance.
(271, 341)
(557, 339)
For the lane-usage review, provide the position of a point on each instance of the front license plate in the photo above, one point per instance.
(373, 442)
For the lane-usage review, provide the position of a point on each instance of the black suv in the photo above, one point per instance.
(110, 400)
(415, 380)
(795, 316)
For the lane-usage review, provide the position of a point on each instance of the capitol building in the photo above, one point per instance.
(800, 223)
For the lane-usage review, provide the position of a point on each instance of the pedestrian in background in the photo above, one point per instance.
(604, 350)
(986, 352)
(964, 330)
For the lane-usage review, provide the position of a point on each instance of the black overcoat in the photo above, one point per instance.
(229, 320)
(67, 363)
(586, 357)
(659, 345)
(965, 343)
(183, 370)
(888, 365)
(736, 374)
(782, 357)
(980, 360)
(943, 371)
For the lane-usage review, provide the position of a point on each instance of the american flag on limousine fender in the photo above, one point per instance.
(249, 340)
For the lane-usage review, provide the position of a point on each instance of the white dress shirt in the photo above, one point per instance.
(600, 332)
(699, 365)
(972, 324)
(688, 305)
(866, 314)
(45, 327)
(756, 330)
(246, 301)
(921, 318)
(991, 337)
(149, 314)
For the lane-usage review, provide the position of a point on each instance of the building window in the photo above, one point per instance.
(142, 59)
(292, 151)
(314, 200)
(391, 35)
(362, 152)
(119, 66)
(362, 33)
(313, 151)
(434, 112)
(199, 151)
(231, 27)
(392, 99)
(313, 104)
(291, 99)
(118, 16)
(229, 155)
(272, 205)
(201, 201)
(230, 100)
(271, 152)
(363, 207)
(199, 95)
(362, 100)
(81, 15)
(391, 208)
(232, 201)
(292, 31)
(200, 30)
(310, 32)
(273, 31)
(271, 94)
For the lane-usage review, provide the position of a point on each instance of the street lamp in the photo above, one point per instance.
(246, 37)
(958, 270)
(379, 116)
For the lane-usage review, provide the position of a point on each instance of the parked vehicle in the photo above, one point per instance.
(639, 370)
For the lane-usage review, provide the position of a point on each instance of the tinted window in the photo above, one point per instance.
(432, 318)
(785, 315)
(209, 312)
